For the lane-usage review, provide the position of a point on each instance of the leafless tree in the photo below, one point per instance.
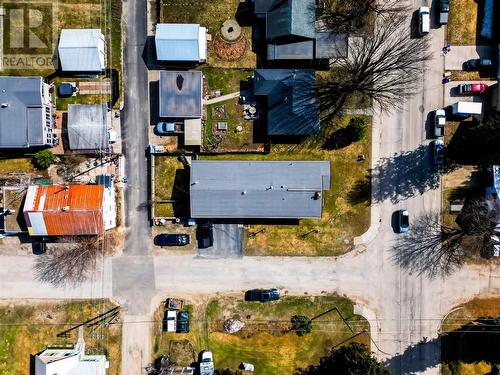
(386, 66)
(350, 16)
(62, 265)
(435, 249)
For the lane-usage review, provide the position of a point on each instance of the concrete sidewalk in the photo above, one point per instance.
(454, 59)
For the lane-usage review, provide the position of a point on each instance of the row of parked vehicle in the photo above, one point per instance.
(204, 235)
(424, 17)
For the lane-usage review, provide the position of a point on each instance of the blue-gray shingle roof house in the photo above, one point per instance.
(26, 113)
(258, 189)
(291, 33)
(288, 96)
(181, 42)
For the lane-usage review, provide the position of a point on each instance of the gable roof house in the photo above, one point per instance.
(289, 101)
(258, 189)
(291, 31)
(66, 210)
(26, 113)
(181, 42)
(70, 361)
(82, 50)
(88, 127)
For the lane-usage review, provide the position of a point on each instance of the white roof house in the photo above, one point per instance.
(70, 361)
(82, 50)
(181, 42)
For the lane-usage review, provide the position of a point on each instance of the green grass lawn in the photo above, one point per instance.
(211, 14)
(30, 328)
(231, 140)
(265, 340)
(460, 316)
(346, 210)
(19, 165)
(170, 179)
(227, 80)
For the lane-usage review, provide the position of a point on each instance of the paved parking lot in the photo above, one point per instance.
(228, 242)
(451, 93)
(459, 54)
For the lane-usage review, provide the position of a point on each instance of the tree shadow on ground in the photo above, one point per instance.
(361, 191)
(407, 174)
(416, 358)
(429, 248)
(338, 139)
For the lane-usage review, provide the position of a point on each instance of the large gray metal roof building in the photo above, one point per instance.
(23, 113)
(180, 94)
(258, 189)
(87, 128)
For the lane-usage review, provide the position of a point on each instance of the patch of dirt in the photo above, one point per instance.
(230, 51)
(182, 352)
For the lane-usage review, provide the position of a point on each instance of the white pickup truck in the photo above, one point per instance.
(170, 321)
(207, 363)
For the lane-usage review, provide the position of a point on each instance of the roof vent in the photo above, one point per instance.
(243, 192)
(180, 81)
(5, 105)
(65, 208)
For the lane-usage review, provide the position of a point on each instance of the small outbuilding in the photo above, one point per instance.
(180, 94)
(87, 127)
(184, 42)
(82, 50)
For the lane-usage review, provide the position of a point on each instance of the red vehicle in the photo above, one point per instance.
(472, 88)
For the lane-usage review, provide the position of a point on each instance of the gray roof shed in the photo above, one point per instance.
(82, 50)
(258, 189)
(180, 94)
(291, 18)
(22, 112)
(87, 127)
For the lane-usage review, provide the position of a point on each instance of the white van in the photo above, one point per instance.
(424, 20)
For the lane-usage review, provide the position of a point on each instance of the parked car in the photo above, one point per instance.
(438, 151)
(424, 20)
(444, 9)
(439, 122)
(183, 322)
(168, 128)
(472, 88)
(206, 363)
(262, 295)
(172, 239)
(205, 234)
(478, 64)
(170, 321)
(403, 221)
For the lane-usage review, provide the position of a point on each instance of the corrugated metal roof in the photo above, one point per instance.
(292, 105)
(82, 50)
(66, 210)
(180, 94)
(257, 189)
(22, 112)
(179, 42)
(87, 127)
(291, 51)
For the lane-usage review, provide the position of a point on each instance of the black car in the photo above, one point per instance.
(172, 239)
(444, 6)
(205, 234)
(478, 64)
(262, 295)
(183, 322)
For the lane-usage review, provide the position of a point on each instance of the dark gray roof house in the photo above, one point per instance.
(291, 33)
(87, 127)
(25, 113)
(289, 100)
(180, 94)
(258, 189)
